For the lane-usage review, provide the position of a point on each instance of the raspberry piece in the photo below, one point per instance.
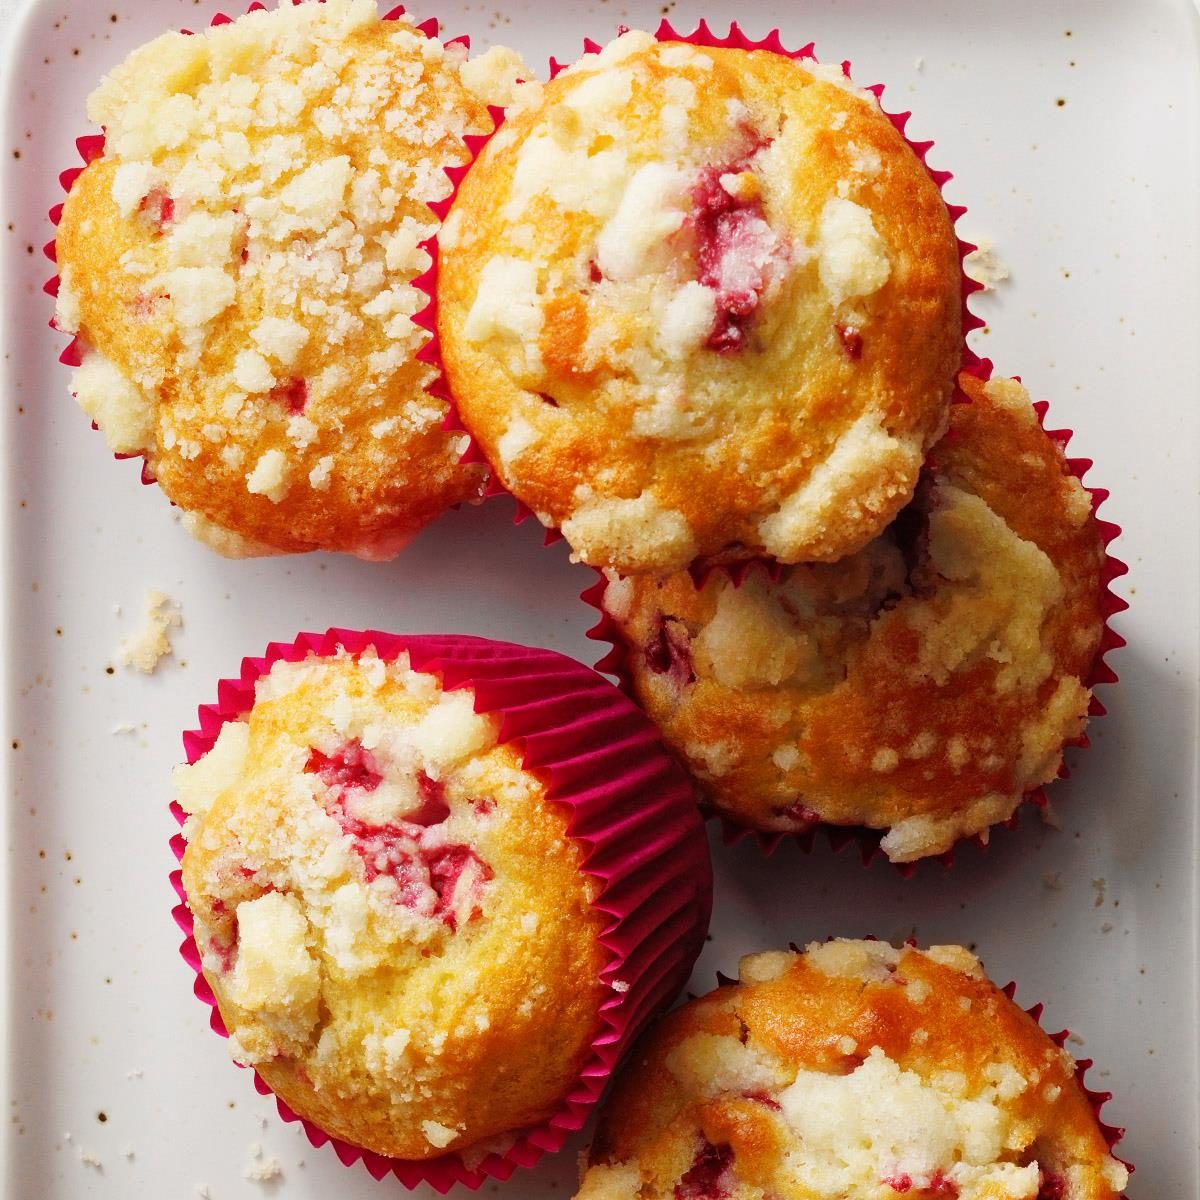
(708, 1178)
(457, 875)
(293, 395)
(350, 766)
(433, 809)
(898, 1183)
(159, 207)
(1051, 1186)
(669, 652)
(437, 880)
(734, 247)
(939, 1185)
(798, 814)
(851, 341)
(224, 942)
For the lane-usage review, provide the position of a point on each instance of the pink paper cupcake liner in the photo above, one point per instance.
(642, 838)
(91, 146)
(702, 35)
(615, 659)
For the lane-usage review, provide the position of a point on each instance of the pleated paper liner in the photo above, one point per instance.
(614, 663)
(630, 807)
(91, 146)
(702, 36)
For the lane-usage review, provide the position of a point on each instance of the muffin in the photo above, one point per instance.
(239, 264)
(701, 303)
(920, 687)
(402, 930)
(852, 1069)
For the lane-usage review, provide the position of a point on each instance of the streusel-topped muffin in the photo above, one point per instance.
(238, 266)
(701, 302)
(851, 1070)
(390, 913)
(920, 687)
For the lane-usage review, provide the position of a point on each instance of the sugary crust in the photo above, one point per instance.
(920, 687)
(718, 1099)
(701, 303)
(391, 916)
(239, 265)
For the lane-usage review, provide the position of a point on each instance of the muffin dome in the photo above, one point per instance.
(238, 266)
(391, 915)
(920, 687)
(851, 1070)
(701, 303)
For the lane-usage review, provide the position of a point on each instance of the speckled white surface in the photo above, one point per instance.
(1073, 131)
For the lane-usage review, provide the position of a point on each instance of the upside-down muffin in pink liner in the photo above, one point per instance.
(921, 687)
(701, 301)
(434, 887)
(853, 1070)
(237, 264)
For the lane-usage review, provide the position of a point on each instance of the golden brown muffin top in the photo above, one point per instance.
(701, 302)
(921, 686)
(851, 1070)
(391, 916)
(239, 267)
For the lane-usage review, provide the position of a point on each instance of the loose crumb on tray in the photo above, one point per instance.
(144, 650)
(985, 266)
(261, 1169)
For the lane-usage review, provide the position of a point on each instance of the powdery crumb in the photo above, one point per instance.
(261, 1169)
(90, 1159)
(202, 1192)
(493, 76)
(145, 649)
(1098, 885)
(123, 727)
(620, 986)
(1050, 817)
(984, 265)
(438, 1135)
(1052, 880)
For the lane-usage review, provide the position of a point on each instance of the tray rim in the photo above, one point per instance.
(17, 22)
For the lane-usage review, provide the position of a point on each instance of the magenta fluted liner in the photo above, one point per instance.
(629, 806)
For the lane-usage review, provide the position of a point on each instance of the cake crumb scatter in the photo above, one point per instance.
(144, 650)
(985, 266)
(261, 1169)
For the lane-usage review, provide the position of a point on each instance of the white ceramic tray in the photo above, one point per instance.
(1073, 131)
